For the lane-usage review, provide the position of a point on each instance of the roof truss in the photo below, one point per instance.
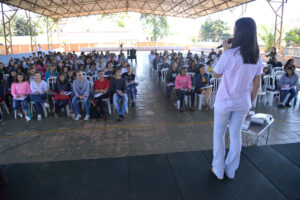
(75, 8)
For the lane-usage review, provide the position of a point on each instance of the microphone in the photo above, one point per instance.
(229, 41)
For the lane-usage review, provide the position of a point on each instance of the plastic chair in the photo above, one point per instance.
(215, 82)
(164, 74)
(51, 83)
(201, 100)
(107, 100)
(261, 94)
(32, 103)
(277, 69)
(270, 89)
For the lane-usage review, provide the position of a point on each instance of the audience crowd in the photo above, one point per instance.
(97, 78)
(64, 79)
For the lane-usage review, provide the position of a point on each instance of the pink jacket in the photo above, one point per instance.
(20, 89)
(183, 82)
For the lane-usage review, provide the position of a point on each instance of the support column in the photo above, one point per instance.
(32, 26)
(6, 19)
(49, 33)
(278, 9)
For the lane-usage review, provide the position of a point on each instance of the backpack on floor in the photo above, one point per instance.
(94, 113)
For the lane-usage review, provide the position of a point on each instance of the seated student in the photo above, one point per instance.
(170, 80)
(202, 58)
(31, 73)
(39, 89)
(119, 90)
(155, 61)
(109, 71)
(151, 56)
(131, 85)
(20, 90)
(93, 71)
(183, 87)
(272, 55)
(209, 65)
(100, 64)
(51, 72)
(164, 64)
(81, 89)
(288, 63)
(288, 83)
(202, 80)
(61, 90)
(123, 66)
(212, 53)
(101, 91)
(192, 67)
(70, 76)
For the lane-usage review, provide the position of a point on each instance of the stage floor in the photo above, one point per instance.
(266, 172)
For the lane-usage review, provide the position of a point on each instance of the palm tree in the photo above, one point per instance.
(267, 36)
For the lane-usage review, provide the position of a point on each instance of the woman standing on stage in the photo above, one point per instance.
(240, 69)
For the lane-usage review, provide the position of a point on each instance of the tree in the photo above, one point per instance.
(118, 18)
(20, 27)
(267, 36)
(214, 30)
(155, 25)
(293, 37)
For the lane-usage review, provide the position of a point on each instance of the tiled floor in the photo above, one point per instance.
(153, 126)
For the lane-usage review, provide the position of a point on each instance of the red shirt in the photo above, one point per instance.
(101, 85)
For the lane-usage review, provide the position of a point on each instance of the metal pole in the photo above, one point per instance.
(4, 31)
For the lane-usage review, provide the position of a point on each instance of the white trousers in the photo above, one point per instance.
(234, 119)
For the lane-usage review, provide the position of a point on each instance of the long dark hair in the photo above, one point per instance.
(19, 74)
(288, 63)
(245, 37)
(59, 82)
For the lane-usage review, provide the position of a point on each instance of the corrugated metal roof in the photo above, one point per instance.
(75, 8)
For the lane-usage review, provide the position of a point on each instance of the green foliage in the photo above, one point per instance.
(20, 27)
(155, 25)
(267, 36)
(118, 18)
(293, 37)
(214, 30)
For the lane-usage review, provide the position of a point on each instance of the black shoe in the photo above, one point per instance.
(1, 117)
(280, 106)
(122, 117)
(288, 105)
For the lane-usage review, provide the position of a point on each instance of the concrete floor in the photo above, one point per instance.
(153, 126)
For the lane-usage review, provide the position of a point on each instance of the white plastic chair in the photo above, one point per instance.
(215, 82)
(32, 103)
(5, 76)
(270, 89)
(276, 69)
(201, 98)
(261, 94)
(107, 100)
(164, 74)
(51, 81)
